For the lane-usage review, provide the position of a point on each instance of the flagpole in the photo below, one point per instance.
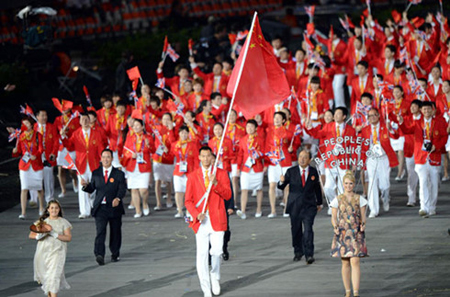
(407, 7)
(249, 37)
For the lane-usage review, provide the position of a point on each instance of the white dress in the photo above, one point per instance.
(50, 258)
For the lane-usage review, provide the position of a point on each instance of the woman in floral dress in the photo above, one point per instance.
(349, 223)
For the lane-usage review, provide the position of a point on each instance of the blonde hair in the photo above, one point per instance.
(350, 176)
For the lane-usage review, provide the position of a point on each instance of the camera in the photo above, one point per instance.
(47, 164)
(428, 146)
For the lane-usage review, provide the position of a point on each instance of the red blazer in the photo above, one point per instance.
(195, 189)
(339, 51)
(442, 105)
(61, 121)
(289, 70)
(404, 110)
(408, 148)
(114, 130)
(338, 61)
(173, 83)
(221, 112)
(103, 116)
(227, 147)
(151, 121)
(235, 132)
(50, 141)
(209, 82)
(356, 91)
(424, 58)
(168, 137)
(279, 138)
(328, 131)
(34, 146)
(380, 64)
(321, 102)
(302, 86)
(206, 125)
(400, 81)
(431, 92)
(438, 139)
(384, 139)
(190, 155)
(245, 145)
(297, 141)
(195, 99)
(326, 82)
(85, 154)
(351, 62)
(102, 133)
(147, 147)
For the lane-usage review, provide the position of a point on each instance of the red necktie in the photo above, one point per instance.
(106, 176)
(303, 177)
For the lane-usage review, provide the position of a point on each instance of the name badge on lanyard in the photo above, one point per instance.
(160, 150)
(183, 166)
(26, 157)
(250, 162)
(140, 158)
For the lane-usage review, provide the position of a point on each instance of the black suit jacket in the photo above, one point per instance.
(114, 188)
(301, 197)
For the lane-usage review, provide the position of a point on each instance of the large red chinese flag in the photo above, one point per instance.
(262, 83)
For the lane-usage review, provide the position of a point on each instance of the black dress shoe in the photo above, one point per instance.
(297, 257)
(225, 256)
(310, 260)
(115, 259)
(100, 260)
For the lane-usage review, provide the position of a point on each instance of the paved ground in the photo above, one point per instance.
(409, 256)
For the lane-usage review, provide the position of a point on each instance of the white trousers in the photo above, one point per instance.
(333, 182)
(428, 181)
(84, 199)
(338, 90)
(378, 171)
(204, 237)
(413, 180)
(49, 186)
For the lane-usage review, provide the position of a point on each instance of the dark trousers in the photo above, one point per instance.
(302, 231)
(102, 218)
(227, 235)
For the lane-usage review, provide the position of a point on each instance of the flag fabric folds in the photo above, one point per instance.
(262, 80)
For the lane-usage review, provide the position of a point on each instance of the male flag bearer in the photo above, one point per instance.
(209, 227)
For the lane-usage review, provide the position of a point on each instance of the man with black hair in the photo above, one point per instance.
(360, 84)
(109, 185)
(413, 178)
(430, 137)
(209, 219)
(88, 145)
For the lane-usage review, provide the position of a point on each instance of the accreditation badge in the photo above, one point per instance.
(183, 166)
(140, 158)
(26, 157)
(250, 162)
(160, 150)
